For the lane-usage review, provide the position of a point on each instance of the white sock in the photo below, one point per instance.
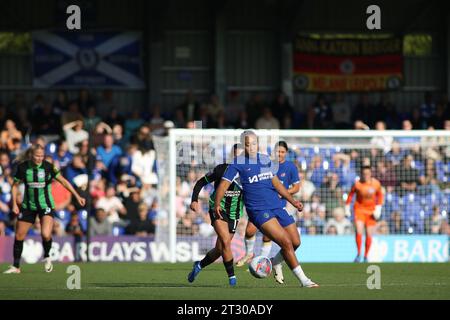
(249, 245)
(266, 248)
(298, 271)
(277, 259)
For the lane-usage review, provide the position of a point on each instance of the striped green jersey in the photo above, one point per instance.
(231, 203)
(37, 181)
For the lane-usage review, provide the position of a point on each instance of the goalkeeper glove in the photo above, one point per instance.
(348, 213)
(377, 212)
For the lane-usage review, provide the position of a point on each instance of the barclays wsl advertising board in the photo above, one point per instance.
(408, 248)
(100, 59)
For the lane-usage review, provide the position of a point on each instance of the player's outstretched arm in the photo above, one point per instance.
(196, 191)
(348, 212)
(69, 187)
(220, 193)
(285, 193)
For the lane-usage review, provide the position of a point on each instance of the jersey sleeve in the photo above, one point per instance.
(350, 195)
(213, 175)
(19, 175)
(231, 173)
(293, 175)
(54, 171)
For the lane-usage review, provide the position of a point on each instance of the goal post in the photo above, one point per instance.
(328, 161)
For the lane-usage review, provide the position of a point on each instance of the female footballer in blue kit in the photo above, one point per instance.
(264, 207)
(288, 175)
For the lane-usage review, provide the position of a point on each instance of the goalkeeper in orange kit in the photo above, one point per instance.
(369, 199)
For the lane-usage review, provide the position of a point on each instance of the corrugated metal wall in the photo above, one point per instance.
(252, 60)
(187, 64)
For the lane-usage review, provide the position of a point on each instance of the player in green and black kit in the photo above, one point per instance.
(37, 176)
(224, 224)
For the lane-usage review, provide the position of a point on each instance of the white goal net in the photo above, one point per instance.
(412, 166)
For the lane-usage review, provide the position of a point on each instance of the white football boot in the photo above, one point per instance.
(308, 283)
(278, 273)
(48, 265)
(11, 270)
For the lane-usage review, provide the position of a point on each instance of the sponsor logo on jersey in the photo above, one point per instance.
(36, 185)
(232, 193)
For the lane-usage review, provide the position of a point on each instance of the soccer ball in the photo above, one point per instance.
(260, 267)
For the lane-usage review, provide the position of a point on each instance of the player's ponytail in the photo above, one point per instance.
(28, 153)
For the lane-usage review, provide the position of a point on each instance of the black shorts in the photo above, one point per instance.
(30, 215)
(232, 223)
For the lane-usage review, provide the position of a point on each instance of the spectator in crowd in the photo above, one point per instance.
(386, 112)
(342, 112)
(156, 123)
(320, 115)
(233, 108)
(62, 156)
(427, 111)
(253, 109)
(396, 154)
(91, 119)
(99, 225)
(384, 142)
(141, 227)
(385, 173)
(132, 203)
(331, 230)
(407, 141)
(143, 160)
(132, 123)
(4, 115)
(283, 111)
(407, 176)
(23, 122)
(106, 104)
(71, 114)
(46, 121)
(76, 167)
(75, 229)
(84, 101)
(364, 111)
(75, 134)
(340, 222)
(437, 223)
(307, 188)
(267, 120)
(61, 103)
(382, 228)
(114, 118)
(9, 135)
(214, 108)
(38, 104)
(189, 110)
(108, 150)
(112, 206)
(242, 122)
(61, 196)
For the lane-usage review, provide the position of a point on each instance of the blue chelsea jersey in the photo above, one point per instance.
(256, 179)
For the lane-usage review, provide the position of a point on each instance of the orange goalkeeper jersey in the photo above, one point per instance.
(368, 195)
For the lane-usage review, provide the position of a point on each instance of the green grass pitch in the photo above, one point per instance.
(168, 281)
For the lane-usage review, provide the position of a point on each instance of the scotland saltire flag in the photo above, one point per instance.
(87, 59)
